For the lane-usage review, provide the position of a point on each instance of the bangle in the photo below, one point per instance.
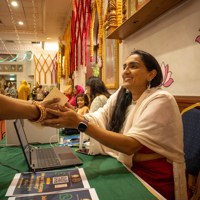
(42, 110)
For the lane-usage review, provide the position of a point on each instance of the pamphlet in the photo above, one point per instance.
(29, 183)
(56, 93)
(89, 194)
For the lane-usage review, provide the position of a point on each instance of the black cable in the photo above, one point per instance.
(8, 166)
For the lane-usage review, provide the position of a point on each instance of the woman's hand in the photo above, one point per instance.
(53, 104)
(62, 118)
(68, 105)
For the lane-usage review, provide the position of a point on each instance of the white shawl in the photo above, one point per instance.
(156, 123)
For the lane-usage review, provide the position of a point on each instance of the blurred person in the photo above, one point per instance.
(24, 91)
(77, 90)
(97, 92)
(13, 90)
(40, 93)
(82, 102)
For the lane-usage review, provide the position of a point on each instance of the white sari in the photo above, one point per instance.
(156, 123)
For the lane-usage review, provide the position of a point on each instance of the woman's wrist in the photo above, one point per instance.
(40, 112)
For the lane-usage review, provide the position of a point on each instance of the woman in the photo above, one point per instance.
(98, 93)
(140, 125)
(24, 91)
(77, 90)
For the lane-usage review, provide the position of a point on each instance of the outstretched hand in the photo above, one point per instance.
(62, 117)
(53, 104)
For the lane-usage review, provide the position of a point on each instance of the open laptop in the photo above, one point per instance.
(39, 159)
(35, 133)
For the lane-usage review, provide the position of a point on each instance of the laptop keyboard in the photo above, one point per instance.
(47, 157)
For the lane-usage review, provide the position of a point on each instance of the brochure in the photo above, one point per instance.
(29, 183)
(56, 93)
(89, 194)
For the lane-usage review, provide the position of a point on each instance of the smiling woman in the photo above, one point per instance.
(132, 127)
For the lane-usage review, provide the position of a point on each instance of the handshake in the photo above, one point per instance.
(52, 108)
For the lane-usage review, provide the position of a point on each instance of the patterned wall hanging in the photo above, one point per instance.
(45, 69)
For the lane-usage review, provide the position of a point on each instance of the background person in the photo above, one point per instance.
(82, 102)
(98, 93)
(132, 127)
(24, 91)
(77, 90)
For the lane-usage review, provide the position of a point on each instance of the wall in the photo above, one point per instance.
(20, 75)
(171, 39)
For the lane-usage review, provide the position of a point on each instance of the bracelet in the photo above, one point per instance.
(42, 110)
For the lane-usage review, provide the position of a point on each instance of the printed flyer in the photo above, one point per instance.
(86, 194)
(47, 182)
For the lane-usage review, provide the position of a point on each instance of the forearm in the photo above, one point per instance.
(116, 141)
(14, 108)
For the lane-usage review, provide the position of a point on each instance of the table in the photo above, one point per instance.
(109, 177)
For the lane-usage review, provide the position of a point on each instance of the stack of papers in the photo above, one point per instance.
(50, 185)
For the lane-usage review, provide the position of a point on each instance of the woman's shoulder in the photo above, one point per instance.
(102, 97)
(164, 94)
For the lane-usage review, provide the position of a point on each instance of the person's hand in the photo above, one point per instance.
(68, 105)
(62, 118)
(53, 104)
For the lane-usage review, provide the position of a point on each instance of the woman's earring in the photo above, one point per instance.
(149, 86)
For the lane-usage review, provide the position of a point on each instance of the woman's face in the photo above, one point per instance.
(135, 74)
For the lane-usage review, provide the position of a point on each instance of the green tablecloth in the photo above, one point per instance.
(110, 178)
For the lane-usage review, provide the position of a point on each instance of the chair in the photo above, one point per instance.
(191, 127)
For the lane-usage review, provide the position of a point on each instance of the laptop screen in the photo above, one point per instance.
(23, 140)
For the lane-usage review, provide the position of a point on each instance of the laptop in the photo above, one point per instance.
(39, 159)
(35, 133)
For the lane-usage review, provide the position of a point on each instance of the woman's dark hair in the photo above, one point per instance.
(124, 98)
(97, 86)
(85, 97)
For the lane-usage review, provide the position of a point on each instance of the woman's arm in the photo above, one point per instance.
(11, 108)
(69, 118)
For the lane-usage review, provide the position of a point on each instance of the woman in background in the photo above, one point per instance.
(98, 93)
(77, 90)
(24, 91)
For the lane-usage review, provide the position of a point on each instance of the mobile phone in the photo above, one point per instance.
(83, 151)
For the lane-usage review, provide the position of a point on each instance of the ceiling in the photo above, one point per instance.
(44, 21)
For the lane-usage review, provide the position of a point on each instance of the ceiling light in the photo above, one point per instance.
(14, 3)
(21, 23)
(48, 38)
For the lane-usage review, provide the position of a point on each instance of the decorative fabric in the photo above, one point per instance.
(79, 32)
(45, 69)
